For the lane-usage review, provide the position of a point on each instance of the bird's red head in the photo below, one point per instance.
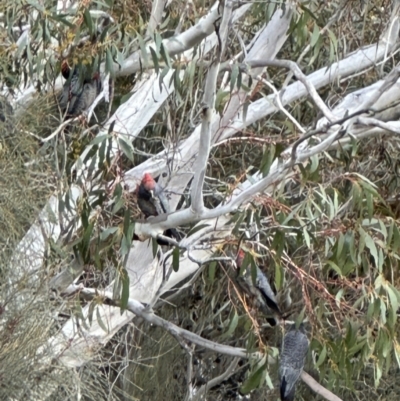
(239, 258)
(148, 182)
(96, 76)
(65, 69)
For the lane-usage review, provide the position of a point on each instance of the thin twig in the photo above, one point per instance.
(201, 392)
(300, 76)
(324, 129)
(279, 103)
(268, 141)
(56, 132)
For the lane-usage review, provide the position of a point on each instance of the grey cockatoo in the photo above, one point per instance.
(78, 94)
(260, 288)
(293, 354)
(153, 202)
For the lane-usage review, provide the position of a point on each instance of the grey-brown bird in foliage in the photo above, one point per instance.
(78, 93)
(260, 288)
(293, 354)
(153, 202)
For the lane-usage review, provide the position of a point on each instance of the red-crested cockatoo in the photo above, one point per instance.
(153, 202)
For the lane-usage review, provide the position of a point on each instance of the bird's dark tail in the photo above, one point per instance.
(290, 395)
(171, 233)
(272, 305)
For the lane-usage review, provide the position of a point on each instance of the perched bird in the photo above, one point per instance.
(293, 355)
(153, 202)
(78, 93)
(260, 289)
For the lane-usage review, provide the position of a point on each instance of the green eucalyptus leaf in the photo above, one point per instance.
(126, 148)
(254, 380)
(100, 321)
(125, 290)
(175, 259)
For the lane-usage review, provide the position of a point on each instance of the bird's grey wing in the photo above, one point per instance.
(263, 285)
(71, 95)
(157, 205)
(63, 98)
(75, 87)
(83, 101)
(163, 203)
(247, 286)
(147, 207)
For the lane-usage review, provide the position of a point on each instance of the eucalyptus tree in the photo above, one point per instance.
(271, 126)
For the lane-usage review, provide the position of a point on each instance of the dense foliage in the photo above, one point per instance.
(326, 233)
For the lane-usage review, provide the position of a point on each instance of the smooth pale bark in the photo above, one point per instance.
(157, 9)
(210, 92)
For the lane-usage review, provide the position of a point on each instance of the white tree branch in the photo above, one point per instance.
(157, 9)
(392, 126)
(150, 317)
(315, 386)
(207, 113)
